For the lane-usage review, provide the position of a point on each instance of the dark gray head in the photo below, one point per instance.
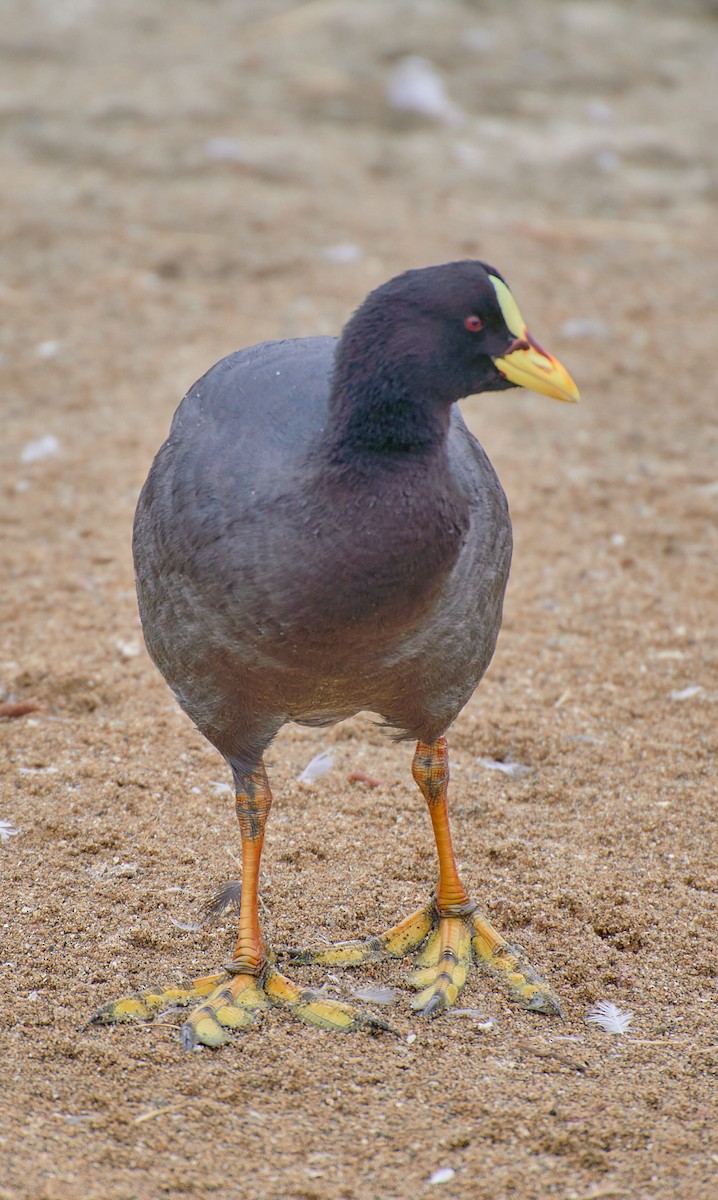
(425, 339)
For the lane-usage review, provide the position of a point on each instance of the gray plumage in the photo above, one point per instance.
(289, 570)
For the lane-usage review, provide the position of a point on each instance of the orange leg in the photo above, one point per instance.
(249, 983)
(252, 982)
(449, 932)
(446, 956)
(250, 956)
(430, 769)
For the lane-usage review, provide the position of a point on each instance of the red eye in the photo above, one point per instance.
(473, 323)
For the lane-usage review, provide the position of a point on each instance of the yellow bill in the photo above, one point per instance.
(525, 363)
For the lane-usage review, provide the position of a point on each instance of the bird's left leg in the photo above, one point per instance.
(440, 928)
(449, 931)
(444, 962)
(447, 953)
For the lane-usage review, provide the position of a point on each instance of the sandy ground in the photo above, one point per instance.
(176, 178)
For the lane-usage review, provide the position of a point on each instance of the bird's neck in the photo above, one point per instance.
(385, 422)
(384, 404)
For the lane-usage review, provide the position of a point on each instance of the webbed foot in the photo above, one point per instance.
(228, 1000)
(449, 944)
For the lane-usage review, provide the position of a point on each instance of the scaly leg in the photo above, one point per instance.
(449, 928)
(249, 982)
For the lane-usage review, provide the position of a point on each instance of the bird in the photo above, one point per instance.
(320, 535)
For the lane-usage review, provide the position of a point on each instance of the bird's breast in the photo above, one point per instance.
(374, 557)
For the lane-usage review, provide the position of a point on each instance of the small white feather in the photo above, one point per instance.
(342, 252)
(375, 995)
(507, 766)
(317, 766)
(443, 1175)
(609, 1017)
(7, 831)
(687, 693)
(47, 446)
(416, 86)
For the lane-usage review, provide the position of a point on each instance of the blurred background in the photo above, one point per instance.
(247, 165)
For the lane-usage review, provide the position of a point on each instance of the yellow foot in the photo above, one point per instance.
(442, 966)
(230, 1001)
(507, 962)
(449, 945)
(397, 942)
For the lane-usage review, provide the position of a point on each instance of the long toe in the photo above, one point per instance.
(396, 942)
(442, 967)
(143, 1006)
(508, 963)
(314, 1009)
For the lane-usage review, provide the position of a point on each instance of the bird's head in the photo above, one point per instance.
(426, 339)
(461, 326)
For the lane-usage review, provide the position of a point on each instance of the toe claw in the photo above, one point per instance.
(203, 1027)
(545, 1002)
(433, 1008)
(188, 1035)
(375, 1025)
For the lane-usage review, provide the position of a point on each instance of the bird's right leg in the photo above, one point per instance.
(250, 981)
(229, 998)
(238, 994)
